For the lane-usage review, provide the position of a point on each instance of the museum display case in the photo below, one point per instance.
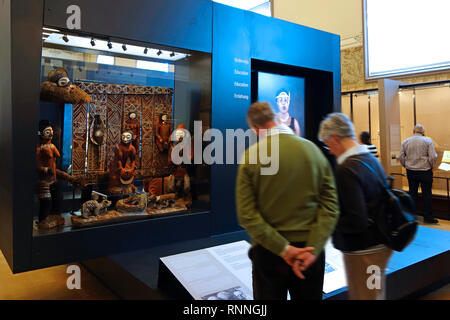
(423, 103)
(115, 111)
(97, 95)
(428, 105)
(362, 107)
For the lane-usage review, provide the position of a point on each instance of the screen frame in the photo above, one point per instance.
(392, 74)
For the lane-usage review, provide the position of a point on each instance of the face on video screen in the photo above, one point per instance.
(286, 94)
(283, 100)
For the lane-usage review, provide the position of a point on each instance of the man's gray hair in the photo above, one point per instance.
(259, 114)
(418, 128)
(336, 123)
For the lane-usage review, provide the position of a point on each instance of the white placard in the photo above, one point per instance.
(444, 166)
(335, 277)
(217, 273)
(225, 272)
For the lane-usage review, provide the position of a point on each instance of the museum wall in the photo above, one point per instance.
(339, 17)
(345, 20)
(352, 68)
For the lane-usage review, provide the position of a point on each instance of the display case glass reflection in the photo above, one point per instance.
(110, 116)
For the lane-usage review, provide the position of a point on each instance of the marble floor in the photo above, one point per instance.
(49, 284)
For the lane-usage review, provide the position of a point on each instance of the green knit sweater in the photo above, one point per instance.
(298, 203)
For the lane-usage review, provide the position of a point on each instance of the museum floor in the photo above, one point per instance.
(50, 283)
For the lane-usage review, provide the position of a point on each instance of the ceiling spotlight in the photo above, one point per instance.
(159, 53)
(65, 38)
(50, 29)
(145, 51)
(109, 45)
(124, 47)
(172, 54)
(92, 42)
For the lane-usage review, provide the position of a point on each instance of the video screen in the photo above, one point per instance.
(286, 94)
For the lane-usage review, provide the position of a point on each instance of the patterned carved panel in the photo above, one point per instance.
(132, 103)
(102, 88)
(79, 133)
(162, 105)
(97, 153)
(114, 107)
(147, 133)
(114, 102)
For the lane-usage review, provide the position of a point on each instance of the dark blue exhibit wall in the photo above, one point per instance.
(177, 23)
(243, 41)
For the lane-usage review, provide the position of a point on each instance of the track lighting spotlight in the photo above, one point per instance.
(65, 38)
(159, 53)
(50, 29)
(172, 54)
(145, 51)
(92, 42)
(124, 47)
(109, 45)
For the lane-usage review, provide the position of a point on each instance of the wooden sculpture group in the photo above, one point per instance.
(155, 199)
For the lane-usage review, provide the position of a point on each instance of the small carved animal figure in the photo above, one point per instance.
(94, 208)
(162, 202)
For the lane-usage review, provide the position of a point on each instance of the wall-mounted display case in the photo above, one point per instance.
(94, 99)
(110, 115)
(362, 107)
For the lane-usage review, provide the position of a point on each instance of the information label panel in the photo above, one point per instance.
(225, 272)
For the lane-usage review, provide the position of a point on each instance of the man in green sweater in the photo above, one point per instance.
(289, 215)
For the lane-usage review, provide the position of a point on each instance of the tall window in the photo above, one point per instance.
(406, 36)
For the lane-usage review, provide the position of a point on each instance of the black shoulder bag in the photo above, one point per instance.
(392, 215)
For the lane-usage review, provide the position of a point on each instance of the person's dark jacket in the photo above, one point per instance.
(357, 186)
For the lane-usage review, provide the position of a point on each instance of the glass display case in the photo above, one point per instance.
(95, 100)
(362, 107)
(110, 115)
(428, 105)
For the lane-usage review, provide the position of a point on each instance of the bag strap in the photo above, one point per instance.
(383, 184)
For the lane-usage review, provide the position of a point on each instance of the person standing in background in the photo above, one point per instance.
(364, 137)
(356, 234)
(419, 157)
(289, 215)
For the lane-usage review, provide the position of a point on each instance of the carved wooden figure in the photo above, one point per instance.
(59, 89)
(163, 133)
(47, 190)
(46, 155)
(132, 124)
(123, 166)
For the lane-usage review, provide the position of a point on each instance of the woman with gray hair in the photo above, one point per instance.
(357, 185)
